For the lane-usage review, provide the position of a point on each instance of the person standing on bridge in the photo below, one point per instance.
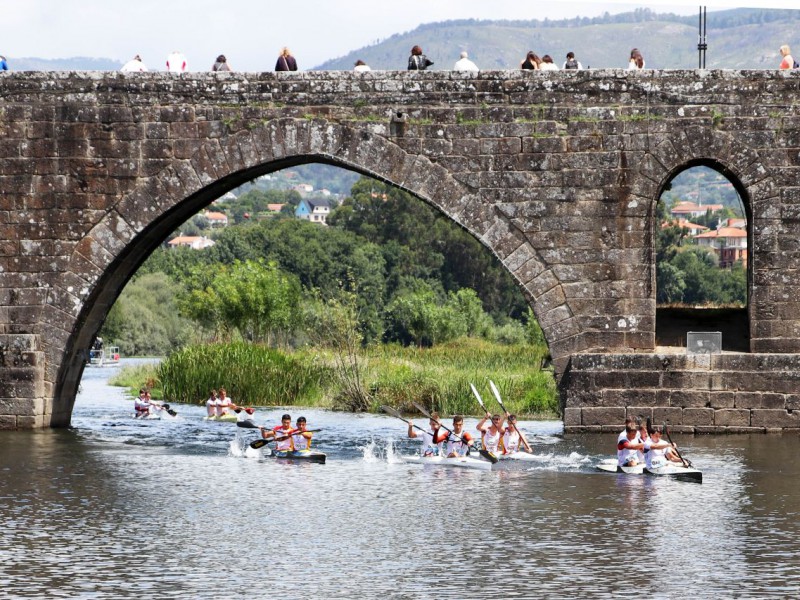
(286, 62)
(176, 63)
(787, 62)
(135, 65)
(465, 64)
(418, 61)
(3, 64)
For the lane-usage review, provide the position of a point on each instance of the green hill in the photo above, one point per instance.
(737, 39)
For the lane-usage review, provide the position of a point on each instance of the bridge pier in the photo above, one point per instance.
(23, 402)
(719, 393)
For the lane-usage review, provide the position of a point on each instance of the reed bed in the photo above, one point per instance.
(252, 374)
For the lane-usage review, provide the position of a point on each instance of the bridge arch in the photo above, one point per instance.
(108, 256)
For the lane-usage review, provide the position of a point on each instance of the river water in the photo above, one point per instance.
(180, 508)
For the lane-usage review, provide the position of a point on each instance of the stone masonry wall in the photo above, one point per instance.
(557, 174)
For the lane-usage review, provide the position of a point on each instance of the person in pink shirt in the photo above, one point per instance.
(788, 61)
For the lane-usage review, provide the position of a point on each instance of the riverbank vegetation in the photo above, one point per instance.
(391, 303)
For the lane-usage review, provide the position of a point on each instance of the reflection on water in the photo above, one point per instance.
(184, 508)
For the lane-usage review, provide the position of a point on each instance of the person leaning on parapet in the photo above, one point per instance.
(548, 64)
(176, 63)
(286, 61)
(221, 64)
(361, 66)
(531, 62)
(636, 62)
(787, 62)
(135, 65)
(3, 64)
(465, 64)
(418, 61)
(572, 62)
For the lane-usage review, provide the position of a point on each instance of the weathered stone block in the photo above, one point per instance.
(603, 416)
(732, 417)
(698, 416)
(774, 419)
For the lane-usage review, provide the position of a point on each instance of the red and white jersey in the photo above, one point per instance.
(455, 445)
(625, 453)
(491, 441)
(141, 404)
(280, 432)
(176, 63)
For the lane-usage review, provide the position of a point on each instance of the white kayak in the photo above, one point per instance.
(462, 462)
(610, 465)
(676, 471)
(521, 455)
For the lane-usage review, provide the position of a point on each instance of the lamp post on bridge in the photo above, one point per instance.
(702, 46)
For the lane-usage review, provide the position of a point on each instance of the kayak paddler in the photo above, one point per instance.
(301, 439)
(284, 430)
(432, 438)
(491, 433)
(459, 442)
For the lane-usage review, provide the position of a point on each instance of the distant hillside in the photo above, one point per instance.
(77, 63)
(737, 39)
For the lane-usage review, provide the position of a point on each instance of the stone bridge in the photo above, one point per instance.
(557, 174)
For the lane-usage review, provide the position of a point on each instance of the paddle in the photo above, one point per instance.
(484, 453)
(685, 462)
(165, 407)
(260, 443)
(503, 408)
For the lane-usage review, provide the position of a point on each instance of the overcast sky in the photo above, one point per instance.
(251, 32)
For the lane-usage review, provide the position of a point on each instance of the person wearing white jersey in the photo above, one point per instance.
(431, 439)
(176, 63)
(628, 449)
(465, 64)
(141, 405)
(491, 434)
(512, 439)
(459, 441)
(211, 404)
(657, 452)
(223, 403)
(301, 439)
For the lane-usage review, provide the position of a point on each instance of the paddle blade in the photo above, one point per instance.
(256, 444)
(172, 413)
(496, 393)
(247, 424)
(477, 396)
(422, 409)
(489, 456)
(391, 411)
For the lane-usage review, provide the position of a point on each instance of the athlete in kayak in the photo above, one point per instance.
(628, 449)
(223, 403)
(491, 433)
(658, 452)
(459, 442)
(431, 439)
(512, 439)
(141, 405)
(301, 439)
(211, 404)
(284, 430)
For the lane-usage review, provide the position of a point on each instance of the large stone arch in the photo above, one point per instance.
(115, 247)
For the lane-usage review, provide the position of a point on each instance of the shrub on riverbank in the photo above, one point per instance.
(437, 378)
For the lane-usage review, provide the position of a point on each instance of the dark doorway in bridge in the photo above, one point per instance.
(702, 240)
(303, 262)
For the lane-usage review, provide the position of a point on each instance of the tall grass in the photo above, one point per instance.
(252, 374)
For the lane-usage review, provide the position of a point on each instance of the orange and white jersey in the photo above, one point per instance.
(455, 445)
(300, 442)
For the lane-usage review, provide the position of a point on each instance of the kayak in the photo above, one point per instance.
(463, 462)
(677, 472)
(231, 418)
(609, 465)
(304, 455)
(524, 456)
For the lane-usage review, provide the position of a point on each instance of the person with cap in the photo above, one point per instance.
(465, 64)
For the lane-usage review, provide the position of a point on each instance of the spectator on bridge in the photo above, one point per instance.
(361, 66)
(418, 61)
(176, 63)
(221, 64)
(788, 62)
(531, 62)
(3, 64)
(636, 62)
(572, 62)
(548, 64)
(465, 64)
(286, 61)
(135, 65)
